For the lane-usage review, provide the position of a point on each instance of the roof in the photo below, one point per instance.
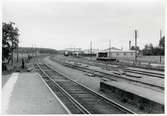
(112, 48)
(93, 50)
(116, 50)
(73, 49)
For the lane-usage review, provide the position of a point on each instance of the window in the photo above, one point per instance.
(124, 54)
(131, 54)
(117, 54)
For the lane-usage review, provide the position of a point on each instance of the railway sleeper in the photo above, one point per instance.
(96, 107)
(71, 106)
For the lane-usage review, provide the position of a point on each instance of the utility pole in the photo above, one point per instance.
(33, 48)
(135, 46)
(160, 45)
(74, 52)
(109, 48)
(91, 50)
(129, 45)
(35, 52)
(36, 49)
(12, 52)
(17, 54)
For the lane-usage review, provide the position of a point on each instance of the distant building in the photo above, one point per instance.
(116, 53)
(73, 51)
(88, 51)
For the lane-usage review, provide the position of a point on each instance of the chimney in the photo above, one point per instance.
(129, 45)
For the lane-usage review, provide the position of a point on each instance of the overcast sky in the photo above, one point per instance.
(67, 24)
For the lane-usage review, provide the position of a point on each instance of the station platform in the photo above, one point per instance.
(138, 90)
(26, 93)
(145, 99)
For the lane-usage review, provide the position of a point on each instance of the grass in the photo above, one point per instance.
(145, 59)
(16, 67)
(153, 59)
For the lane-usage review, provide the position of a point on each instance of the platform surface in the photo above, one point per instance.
(26, 93)
(138, 90)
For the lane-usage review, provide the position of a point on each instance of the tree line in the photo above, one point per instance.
(30, 50)
(149, 49)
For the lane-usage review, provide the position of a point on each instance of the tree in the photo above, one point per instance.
(9, 40)
(148, 49)
(158, 50)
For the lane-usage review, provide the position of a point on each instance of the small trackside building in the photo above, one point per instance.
(116, 53)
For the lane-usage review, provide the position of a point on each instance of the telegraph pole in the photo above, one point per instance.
(91, 50)
(160, 45)
(135, 46)
(35, 52)
(33, 48)
(109, 48)
(12, 52)
(129, 45)
(17, 54)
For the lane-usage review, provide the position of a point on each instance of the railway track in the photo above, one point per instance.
(123, 67)
(158, 75)
(103, 74)
(135, 71)
(126, 68)
(76, 97)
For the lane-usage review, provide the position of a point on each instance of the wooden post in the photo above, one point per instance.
(17, 54)
(160, 45)
(135, 46)
(91, 50)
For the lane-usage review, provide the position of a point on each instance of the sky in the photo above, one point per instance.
(64, 24)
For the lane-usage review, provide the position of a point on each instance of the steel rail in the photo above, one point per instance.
(158, 75)
(145, 73)
(105, 75)
(77, 104)
(122, 108)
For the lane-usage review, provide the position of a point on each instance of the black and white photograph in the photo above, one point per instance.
(83, 57)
